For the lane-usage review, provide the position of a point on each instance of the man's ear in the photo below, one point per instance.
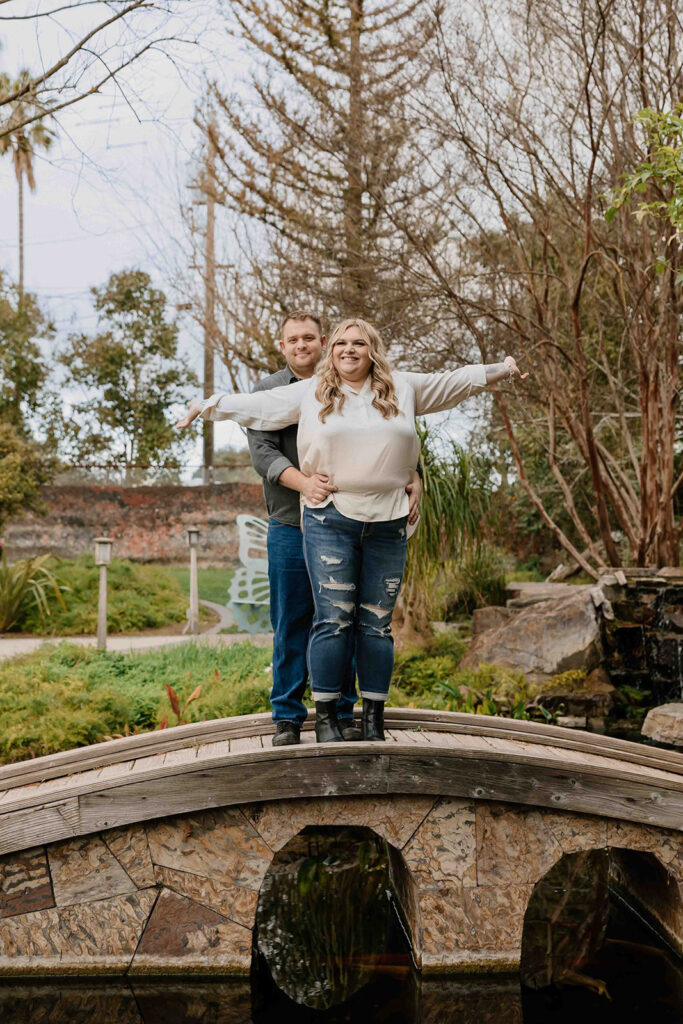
(282, 346)
(323, 341)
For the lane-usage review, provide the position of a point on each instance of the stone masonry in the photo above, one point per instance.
(178, 895)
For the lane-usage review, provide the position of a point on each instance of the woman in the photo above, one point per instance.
(356, 425)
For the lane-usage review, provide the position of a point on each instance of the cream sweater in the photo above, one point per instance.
(369, 459)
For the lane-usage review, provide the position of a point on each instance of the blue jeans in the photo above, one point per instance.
(291, 615)
(356, 571)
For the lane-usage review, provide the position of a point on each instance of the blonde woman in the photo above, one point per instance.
(356, 426)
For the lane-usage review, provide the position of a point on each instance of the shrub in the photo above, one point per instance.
(25, 591)
(68, 696)
(138, 597)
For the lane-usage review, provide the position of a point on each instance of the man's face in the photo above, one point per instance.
(302, 346)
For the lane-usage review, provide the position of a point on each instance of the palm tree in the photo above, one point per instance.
(22, 144)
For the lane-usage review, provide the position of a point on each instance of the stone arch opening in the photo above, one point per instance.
(587, 896)
(337, 906)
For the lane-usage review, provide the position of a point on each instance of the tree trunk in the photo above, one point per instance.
(353, 283)
(20, 182)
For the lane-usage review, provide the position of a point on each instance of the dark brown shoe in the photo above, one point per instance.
(286, 734)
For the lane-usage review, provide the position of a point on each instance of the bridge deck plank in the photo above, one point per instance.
(246, 745)
(212, 751)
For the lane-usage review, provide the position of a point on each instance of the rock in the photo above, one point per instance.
(665, 724)
(571, 721)
(544, 639)
(490, 617)
(524, 594)
(591, 697)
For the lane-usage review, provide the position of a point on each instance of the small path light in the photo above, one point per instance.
(102, 558)
(193, 541)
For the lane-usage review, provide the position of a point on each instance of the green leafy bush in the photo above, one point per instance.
(26, 588)
(138, 597)
(69, 696)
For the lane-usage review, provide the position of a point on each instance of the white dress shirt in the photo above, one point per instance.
(369, 459)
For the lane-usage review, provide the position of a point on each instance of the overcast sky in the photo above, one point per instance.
(107, 190)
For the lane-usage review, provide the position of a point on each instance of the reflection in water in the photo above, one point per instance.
(328, 918)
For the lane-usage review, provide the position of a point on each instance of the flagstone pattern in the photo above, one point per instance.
(178, 895)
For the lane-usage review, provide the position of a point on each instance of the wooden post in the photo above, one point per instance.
(193, 540)
(194, 593)
(209, 298)
(102, 611)
(102, 558)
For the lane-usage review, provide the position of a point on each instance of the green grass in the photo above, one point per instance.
(139, 597)
(69, 696)
(212, 583)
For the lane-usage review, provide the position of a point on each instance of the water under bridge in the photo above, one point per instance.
(145, 855)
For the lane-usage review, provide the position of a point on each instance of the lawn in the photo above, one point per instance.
(212, 583)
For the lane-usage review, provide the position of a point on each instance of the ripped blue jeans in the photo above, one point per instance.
(355, 570)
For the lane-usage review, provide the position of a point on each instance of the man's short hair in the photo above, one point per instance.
(301, 314)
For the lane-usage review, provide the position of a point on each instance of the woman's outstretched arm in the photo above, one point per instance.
(262, 410)
(435, 392)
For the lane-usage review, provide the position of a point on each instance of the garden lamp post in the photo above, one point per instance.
(193, 541)
(102, 558)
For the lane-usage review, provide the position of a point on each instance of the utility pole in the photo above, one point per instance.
(209, 294)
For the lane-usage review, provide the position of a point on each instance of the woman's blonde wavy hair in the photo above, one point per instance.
(329, 390)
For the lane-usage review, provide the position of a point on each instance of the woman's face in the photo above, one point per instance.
(351, 356)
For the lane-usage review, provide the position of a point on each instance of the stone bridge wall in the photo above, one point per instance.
(147, 523)
(179, 895)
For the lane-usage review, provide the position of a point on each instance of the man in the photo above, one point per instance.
(275, 458)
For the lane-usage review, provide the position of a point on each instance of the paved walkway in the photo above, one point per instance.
(13, 647)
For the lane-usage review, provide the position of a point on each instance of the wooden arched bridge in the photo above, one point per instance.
(146, 854)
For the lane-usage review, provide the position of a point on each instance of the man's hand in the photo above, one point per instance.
(414, 492)
(317, 488)
(193, 411)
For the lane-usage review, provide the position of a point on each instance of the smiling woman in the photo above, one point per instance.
(356, 426)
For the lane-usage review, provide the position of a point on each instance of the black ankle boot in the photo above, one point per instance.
(349, 730)
(326, 724)
(373, 719)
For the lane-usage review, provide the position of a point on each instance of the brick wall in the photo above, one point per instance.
(148, 524)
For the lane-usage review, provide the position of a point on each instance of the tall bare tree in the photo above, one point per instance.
(529, 130)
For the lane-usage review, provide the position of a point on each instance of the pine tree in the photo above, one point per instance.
(317, 171)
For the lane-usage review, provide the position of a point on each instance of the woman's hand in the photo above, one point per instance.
(513, 370)
(414, 492)
(317, 488)
(193, 411)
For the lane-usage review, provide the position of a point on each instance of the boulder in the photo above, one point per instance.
(544, 639)
(521, 594)
(665, 724)
(490, 617)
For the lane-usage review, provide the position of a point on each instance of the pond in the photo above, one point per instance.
(334, 945)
